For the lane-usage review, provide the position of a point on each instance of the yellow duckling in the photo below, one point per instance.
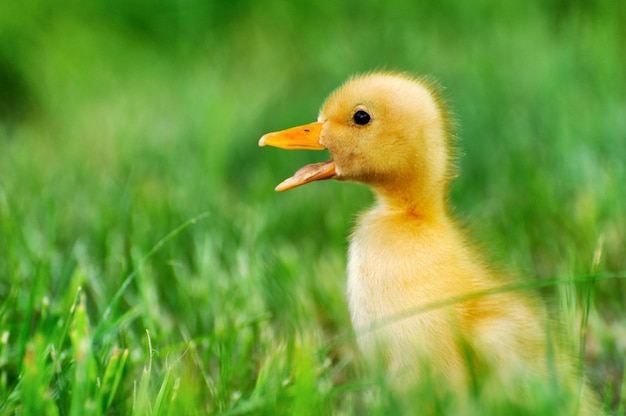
(389, 131)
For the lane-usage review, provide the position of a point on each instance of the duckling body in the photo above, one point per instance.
(419, 294)
(413, 290)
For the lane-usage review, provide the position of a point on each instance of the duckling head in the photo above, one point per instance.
(386, 130)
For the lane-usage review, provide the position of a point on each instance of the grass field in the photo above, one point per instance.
(147, 266)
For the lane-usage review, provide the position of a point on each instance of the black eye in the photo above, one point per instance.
(361, 117)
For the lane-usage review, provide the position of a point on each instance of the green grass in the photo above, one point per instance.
(146, 265)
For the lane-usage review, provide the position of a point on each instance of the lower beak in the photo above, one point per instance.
(302, 137)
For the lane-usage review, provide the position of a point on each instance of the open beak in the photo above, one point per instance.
(302, 137)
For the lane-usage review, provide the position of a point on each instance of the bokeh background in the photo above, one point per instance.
(120, 121)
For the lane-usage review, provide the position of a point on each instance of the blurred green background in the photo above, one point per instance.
(120, 121)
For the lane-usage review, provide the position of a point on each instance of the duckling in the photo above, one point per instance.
(407, 254)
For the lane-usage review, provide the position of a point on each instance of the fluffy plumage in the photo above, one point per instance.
(407, 252)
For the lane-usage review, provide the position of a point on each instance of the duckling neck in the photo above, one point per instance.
(427, 203)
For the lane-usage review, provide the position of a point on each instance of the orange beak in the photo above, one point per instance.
(302, 137)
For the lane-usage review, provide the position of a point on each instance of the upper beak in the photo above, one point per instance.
(305, 137)
(302, 137)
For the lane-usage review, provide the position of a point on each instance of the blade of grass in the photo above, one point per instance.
(171, 235)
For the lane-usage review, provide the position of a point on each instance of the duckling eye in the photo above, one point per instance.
(361, 117)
